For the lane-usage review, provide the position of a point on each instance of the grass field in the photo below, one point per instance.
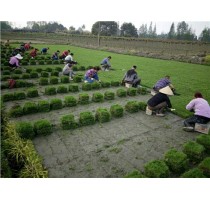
(186, 77)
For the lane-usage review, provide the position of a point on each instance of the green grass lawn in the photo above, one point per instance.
(186, 77)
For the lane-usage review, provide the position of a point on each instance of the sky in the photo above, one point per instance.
(77, 13)
(160, 12)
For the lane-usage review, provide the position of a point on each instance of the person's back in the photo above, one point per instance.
(200, 106)
(105, 63)
(162, 83)
(131, 77)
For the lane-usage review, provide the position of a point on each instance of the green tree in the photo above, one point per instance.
(106, 28)
(205, 35)
(143, 31)
(5, 25)
(172, 33)
(184, 32)
(128, 30)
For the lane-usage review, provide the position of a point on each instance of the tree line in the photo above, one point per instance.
(111, 28)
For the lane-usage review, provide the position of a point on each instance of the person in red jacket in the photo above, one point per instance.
(27, 46)
(64, 54)
(34, 53)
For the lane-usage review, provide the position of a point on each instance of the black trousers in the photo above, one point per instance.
(190, 122)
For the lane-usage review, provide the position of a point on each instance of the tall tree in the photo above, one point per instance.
(105, 28)
(150, 31)
(172, 33)
(205, 35)
(143, 31)
(5, 25)
(184, 32)
(128, 30)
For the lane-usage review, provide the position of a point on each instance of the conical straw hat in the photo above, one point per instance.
(166, 90)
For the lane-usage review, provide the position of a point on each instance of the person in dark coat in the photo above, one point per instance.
(160, 101)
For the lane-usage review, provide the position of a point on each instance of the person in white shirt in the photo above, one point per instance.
(67, 70)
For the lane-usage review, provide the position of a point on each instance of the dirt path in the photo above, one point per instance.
(111, 149)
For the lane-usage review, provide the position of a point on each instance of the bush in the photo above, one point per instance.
(48, 69)
(193, 173)
(25, 130)
(102, 115)
(42, 127)
(17, 71)
(30, 107)
(132, 106)
(6, 68)
(194, 151)
(205, 167)
(116, 110)
(8, 97)
(6, 72)
(4, 86)
(68, 122)
(15, 76)
(115, 83)
(74, 88)
(34, 75)
(83, 98)
(25, 76)
(62, 89)
(24, 63)
(204, 140)
(41, 62)
(176, 160)
(75, 68)
(53, 80)
(142, 90)
(121, 92)
(86, 118)
(50, 90)
(78, 79)
(43, 106)
(86, 86)
(39, 70)
(56, 104)
(55, 62)
(33, 62)
(5, 77)
(32, 92)
(49, 62)
(156, 169)
(19, 95)
(28, 70)
(134, 174)
(43, 81)
(95, 85)
(142, 106)
(105, 84)
(44, 74)
(82, 68)
(64, 79)
(54, 73)
(109, 95)
(16, 111)
(131, 91)
(70, 101)
(20, 83)
(59, 69)
(97, 97)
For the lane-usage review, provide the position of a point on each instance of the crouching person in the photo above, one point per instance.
(92, 75)
(131, 77)
(201, 110)
(160, 101)
(68, 70)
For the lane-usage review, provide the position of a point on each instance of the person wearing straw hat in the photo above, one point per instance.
(15, 61)
(160, 101)
(201, 110)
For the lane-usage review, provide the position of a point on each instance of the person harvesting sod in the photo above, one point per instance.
(201, 110)
(160, 101)
(92, 75)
